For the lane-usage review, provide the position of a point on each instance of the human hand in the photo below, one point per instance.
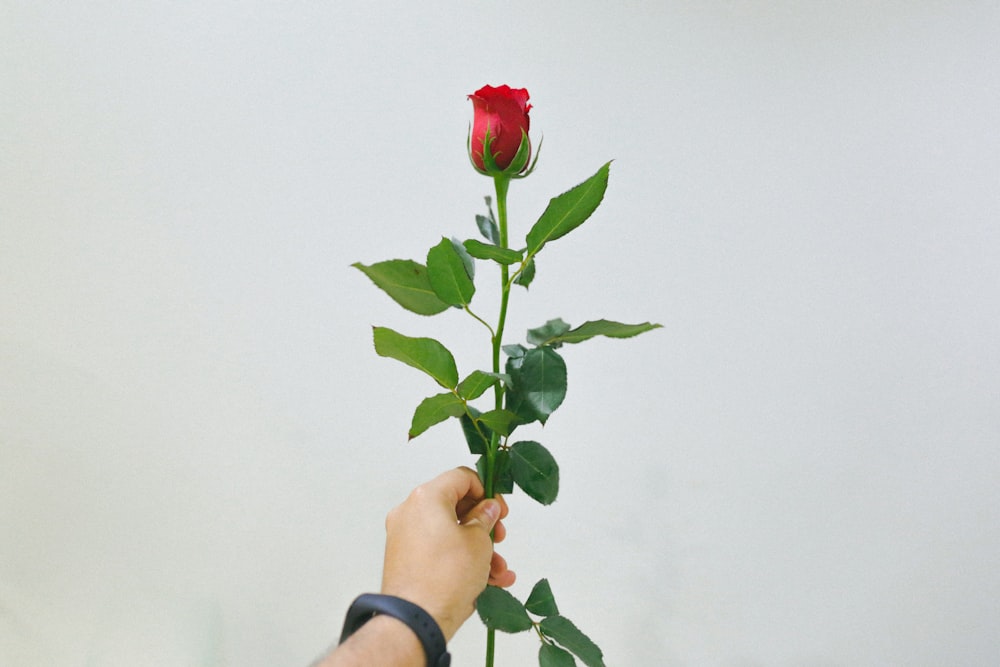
(438, 551)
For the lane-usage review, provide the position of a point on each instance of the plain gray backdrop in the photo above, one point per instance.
(198, 445)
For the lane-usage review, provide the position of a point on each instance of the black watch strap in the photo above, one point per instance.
(367, 606)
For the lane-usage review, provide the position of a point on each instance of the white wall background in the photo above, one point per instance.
(198, 445)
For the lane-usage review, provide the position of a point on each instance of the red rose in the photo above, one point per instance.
(503, 112)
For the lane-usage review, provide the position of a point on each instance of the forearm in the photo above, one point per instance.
(381, 641)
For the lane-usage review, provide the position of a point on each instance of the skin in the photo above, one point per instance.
(438, 555)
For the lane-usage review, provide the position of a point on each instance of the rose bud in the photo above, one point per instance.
(499, 140)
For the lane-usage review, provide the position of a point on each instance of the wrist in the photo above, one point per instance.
(435, 605)
(383, 640)
(421, 628)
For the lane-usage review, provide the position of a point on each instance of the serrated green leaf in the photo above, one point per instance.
(515, 351)
(526, 275)
(407, 283)
(481, 250)
(501, 421)
(535, 471)
(538, 384)
(434, 410)
(470, 264)
(548, 331)
(425, 354)
(478, 439)
(503, 481)
(541, 602)
(488, 223)
(568, 211)
(550, 655)
(562, 630)
(501, 611)
(476, 384)
(608, 328)
(448, 274)
(488, 228)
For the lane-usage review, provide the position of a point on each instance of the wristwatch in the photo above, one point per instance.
(367, 606)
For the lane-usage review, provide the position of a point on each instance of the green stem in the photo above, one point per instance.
(501, 182)
(490, 642)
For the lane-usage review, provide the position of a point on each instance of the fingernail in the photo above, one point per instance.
(491, 509)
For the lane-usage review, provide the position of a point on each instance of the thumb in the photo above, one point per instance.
(485, 514)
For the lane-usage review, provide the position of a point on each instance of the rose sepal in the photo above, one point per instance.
(518, 164)
(538, 151)
(468, 150)
(521, 157)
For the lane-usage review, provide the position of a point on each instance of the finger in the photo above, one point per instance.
(454, 486)
(499, 532)
(498, 564)
(500, 574)
(465, 506)
(506, 580)
(484, 515)
(467, 503)
(465, 483)
(503, 504)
